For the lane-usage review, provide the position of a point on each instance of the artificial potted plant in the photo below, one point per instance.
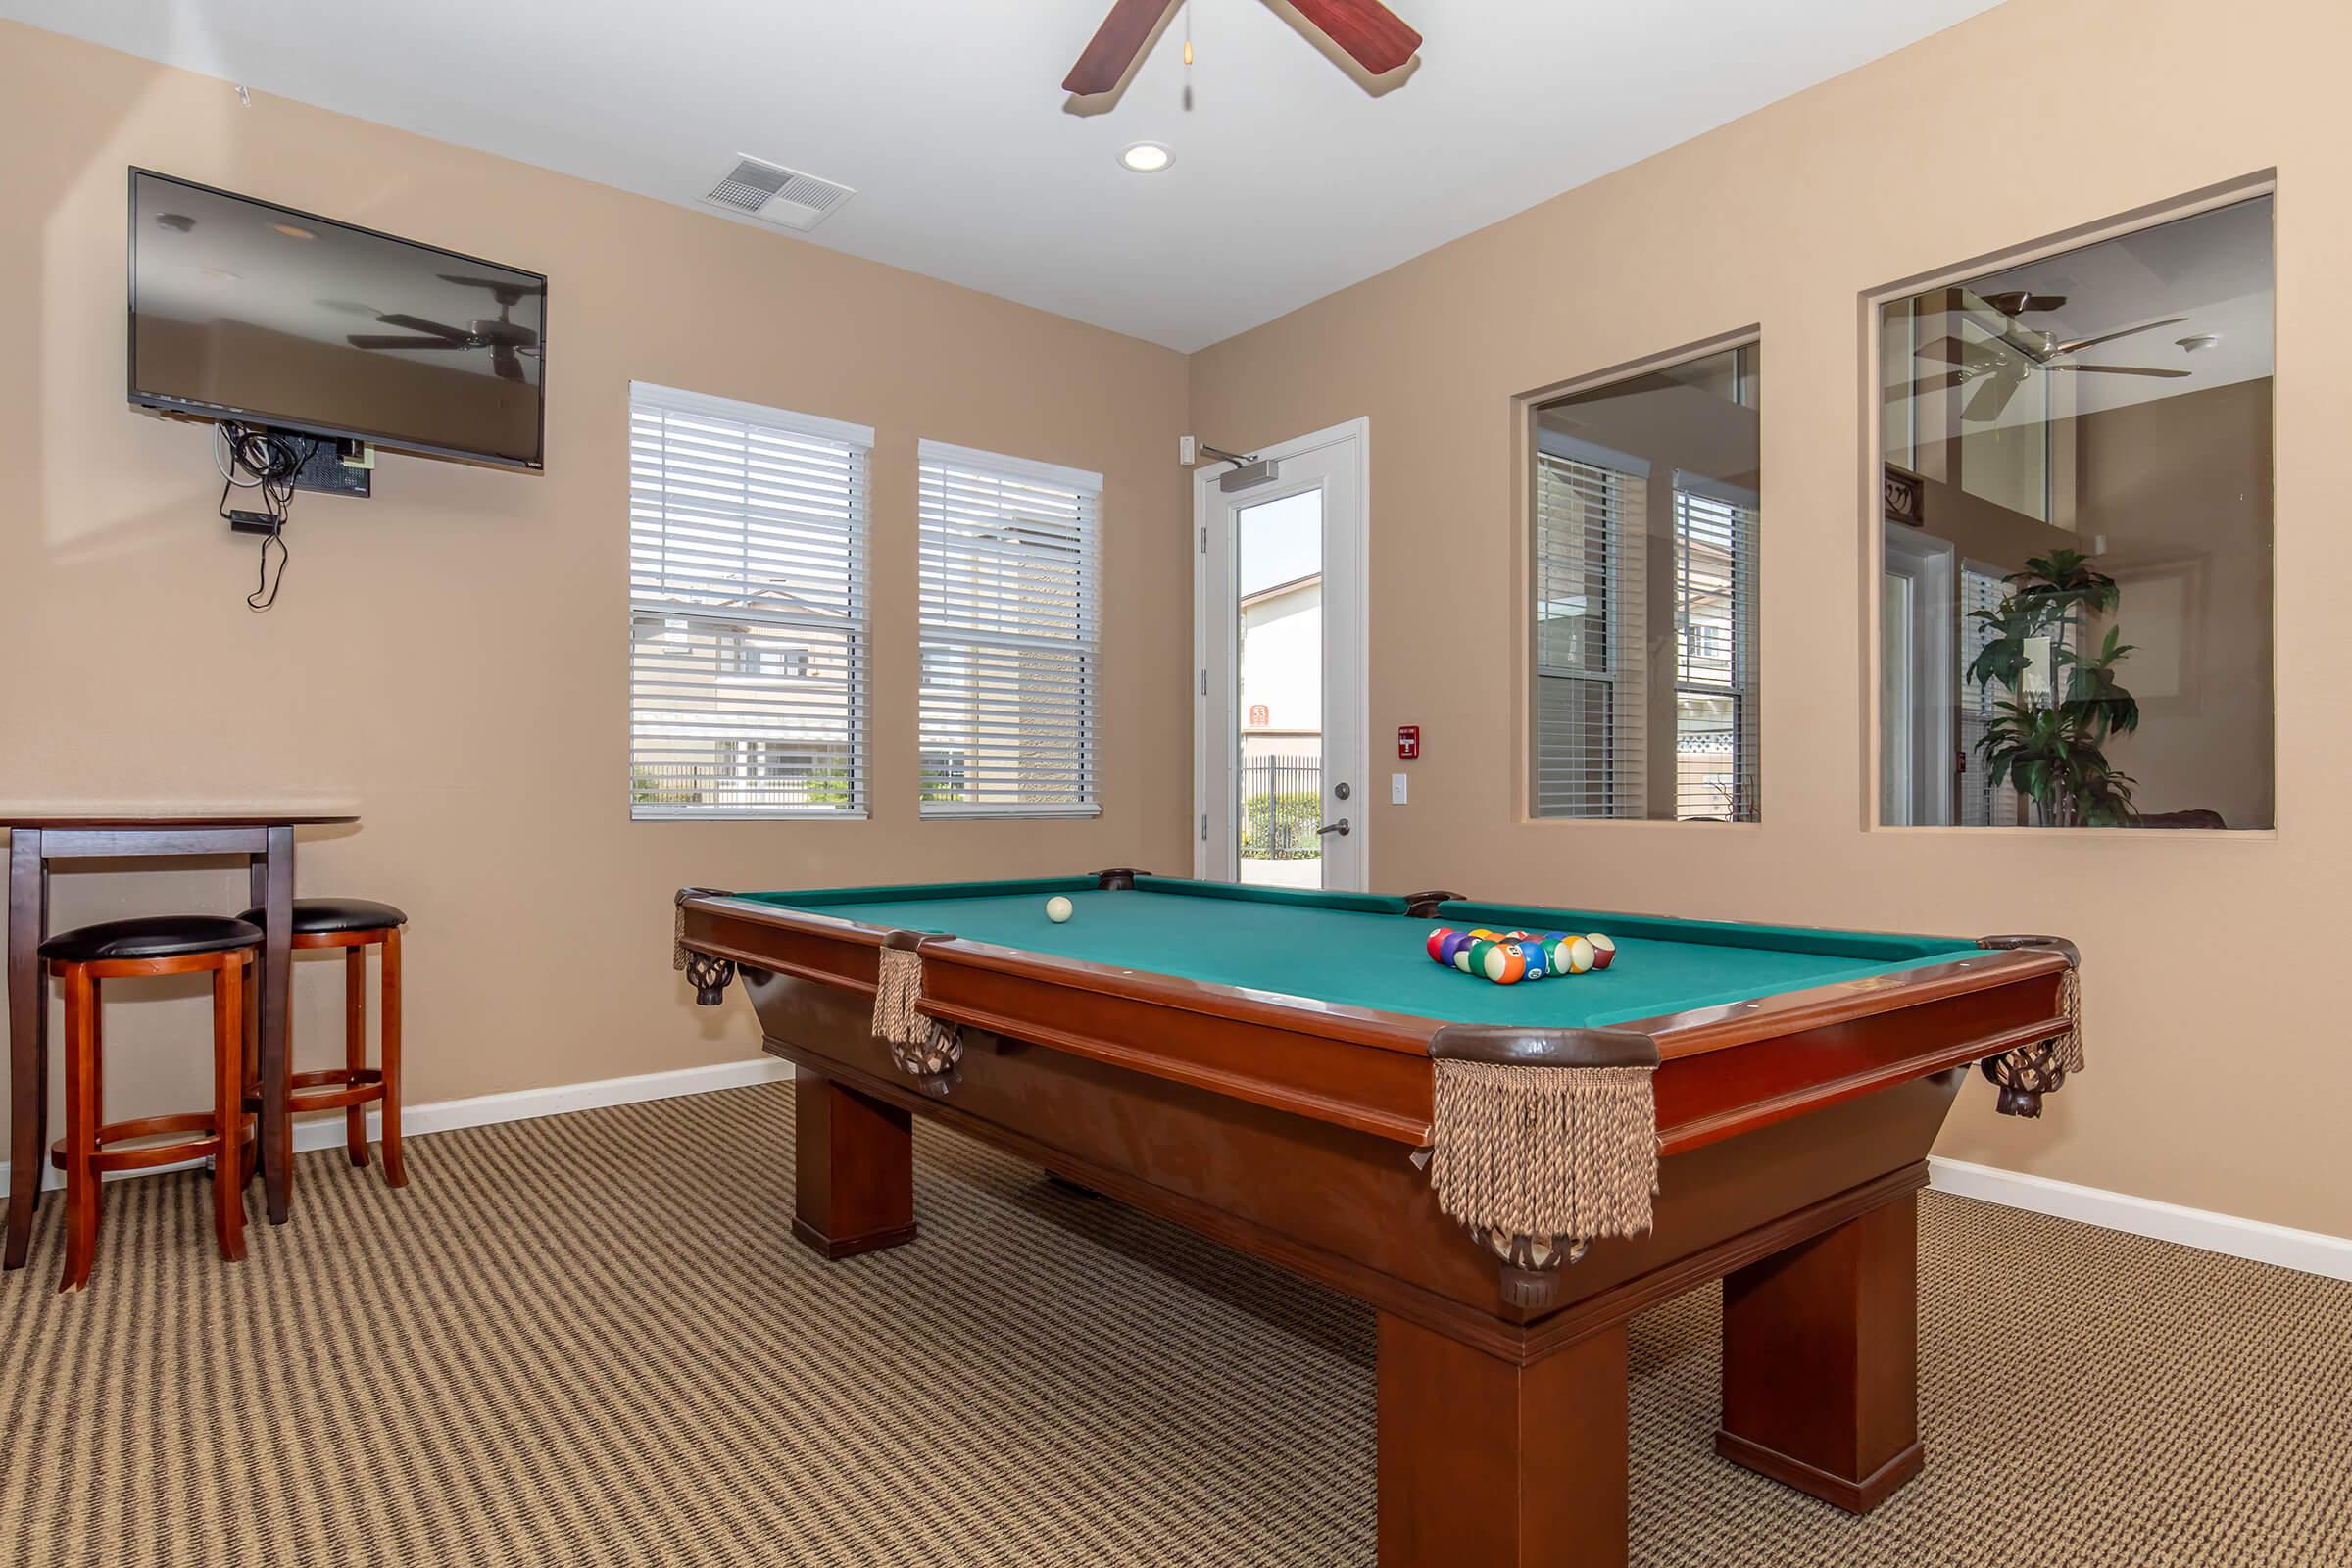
(2047, 739)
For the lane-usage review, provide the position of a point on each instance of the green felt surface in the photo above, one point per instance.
(1363, 949)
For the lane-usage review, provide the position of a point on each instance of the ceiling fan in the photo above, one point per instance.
(2000, 367)
(1365, 29)
(506, 342)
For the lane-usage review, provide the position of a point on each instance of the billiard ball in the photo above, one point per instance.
(1502, 962)
(1437, 941)
(1057, 909)
(1604, 951)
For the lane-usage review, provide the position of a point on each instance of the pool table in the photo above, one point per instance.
(1269, 1066)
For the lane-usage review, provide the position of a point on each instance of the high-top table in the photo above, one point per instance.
(265, 836)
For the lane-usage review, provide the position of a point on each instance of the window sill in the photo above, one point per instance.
(743, 813)
(985, 814)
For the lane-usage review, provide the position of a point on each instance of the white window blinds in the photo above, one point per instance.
(748, 647)
(1716, 722)
(1009, 582)
(1589, 723)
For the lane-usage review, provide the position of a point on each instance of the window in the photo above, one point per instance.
(1643, 583)
(1589, 708)
(742, 656)
(1715, 618)
(747, 610)
(1010, 645)
(2089, 435)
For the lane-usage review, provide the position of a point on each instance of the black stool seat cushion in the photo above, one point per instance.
(317, 917)
(152, 936)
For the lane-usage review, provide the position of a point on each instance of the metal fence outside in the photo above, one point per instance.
(1281, 804)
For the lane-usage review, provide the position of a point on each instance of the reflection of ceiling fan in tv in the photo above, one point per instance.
(506, 342)
(1997, 369)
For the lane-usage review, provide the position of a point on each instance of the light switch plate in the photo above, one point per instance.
(1396, 789)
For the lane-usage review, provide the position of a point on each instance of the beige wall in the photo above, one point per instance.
(452, 654)
(2216, 1082)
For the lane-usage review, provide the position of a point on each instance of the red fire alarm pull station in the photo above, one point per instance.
(1408, 741)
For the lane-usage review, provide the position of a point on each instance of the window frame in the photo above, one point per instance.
(736, 660)
(1869, 476)
(1531, 439)
(1087, 490)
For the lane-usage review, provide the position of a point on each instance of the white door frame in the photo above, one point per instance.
(1348, 639)
(1933, 566)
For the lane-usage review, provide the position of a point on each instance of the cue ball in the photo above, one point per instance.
(1057, 909)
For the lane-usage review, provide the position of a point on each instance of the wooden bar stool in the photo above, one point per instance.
(353, 925)
(117, 949)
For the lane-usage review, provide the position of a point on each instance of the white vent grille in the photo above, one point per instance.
(774, 194)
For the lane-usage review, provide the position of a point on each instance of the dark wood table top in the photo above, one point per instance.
(172, 816)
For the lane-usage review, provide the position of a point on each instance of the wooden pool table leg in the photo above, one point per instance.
(853, 1160)
(1488, 1464)
(1821, 1361)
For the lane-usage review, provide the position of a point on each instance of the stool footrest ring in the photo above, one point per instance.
(334, 1089)
(147, 1156)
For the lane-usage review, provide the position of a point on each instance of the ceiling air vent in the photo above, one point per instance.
(774, 194)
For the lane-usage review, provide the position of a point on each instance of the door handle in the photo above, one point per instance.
(1340, 827)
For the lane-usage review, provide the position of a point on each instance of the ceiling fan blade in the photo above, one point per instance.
(2017, 302)
(1960, 350)
(1115, 46)
(1927, 386)
(2120, 369)
(1989, 400)
(496, 285)
(1369, 32)
(417, 323)
(2073, 344)
(384, 340)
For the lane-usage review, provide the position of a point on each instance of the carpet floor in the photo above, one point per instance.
(590, 1340)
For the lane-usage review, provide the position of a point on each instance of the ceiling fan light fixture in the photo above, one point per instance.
(1145, 158)
(2198, 342)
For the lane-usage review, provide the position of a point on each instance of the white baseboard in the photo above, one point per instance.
(520, 1104)
(2312, 1252)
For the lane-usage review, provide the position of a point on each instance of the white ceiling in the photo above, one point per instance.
(1293, 179)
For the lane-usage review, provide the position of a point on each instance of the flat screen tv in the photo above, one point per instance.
(245, 311)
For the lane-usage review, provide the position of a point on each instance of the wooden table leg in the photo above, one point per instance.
(1488, 1464)
(273, 890)
(1821, 1361)
(853, 1160)
(28, 1038)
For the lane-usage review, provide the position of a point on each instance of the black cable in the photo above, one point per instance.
(275, 460)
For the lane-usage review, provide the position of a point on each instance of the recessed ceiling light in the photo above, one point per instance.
(293, 231)
(1147, 157)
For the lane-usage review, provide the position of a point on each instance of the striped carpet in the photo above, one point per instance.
(590, 1341)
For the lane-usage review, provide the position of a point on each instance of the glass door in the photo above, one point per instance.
(1283, 668)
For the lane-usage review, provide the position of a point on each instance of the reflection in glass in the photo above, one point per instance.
(1644, 596)
(2079, 500)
